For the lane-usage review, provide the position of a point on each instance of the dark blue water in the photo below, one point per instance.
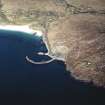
(22, 83)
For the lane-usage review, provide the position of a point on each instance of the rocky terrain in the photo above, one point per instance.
(75, 31)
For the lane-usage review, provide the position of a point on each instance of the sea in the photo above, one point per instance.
(24, 83)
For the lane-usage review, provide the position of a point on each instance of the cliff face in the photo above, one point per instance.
(75, 31)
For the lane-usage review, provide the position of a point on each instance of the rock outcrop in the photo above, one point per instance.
(75, 31)
(82, 38)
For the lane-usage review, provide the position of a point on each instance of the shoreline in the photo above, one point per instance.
(50, 54)
(27, 29)
(20, 28)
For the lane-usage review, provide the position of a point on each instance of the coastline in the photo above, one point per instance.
(20, 28)
(27, 29)
(50, 53)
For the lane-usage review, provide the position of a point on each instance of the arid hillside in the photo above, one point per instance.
(80, 39)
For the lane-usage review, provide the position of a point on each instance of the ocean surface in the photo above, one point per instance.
(23, 83)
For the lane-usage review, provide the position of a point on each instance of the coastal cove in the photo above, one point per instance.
(37, 33)
(24, 83)
(52, 52)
